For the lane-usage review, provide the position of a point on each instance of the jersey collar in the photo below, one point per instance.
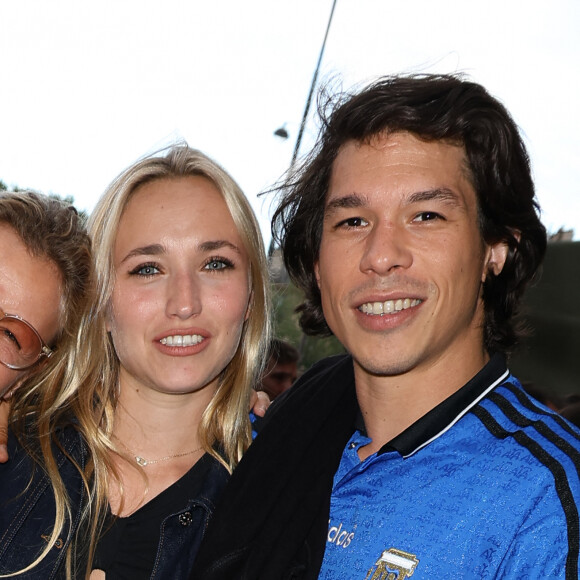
(442, 417)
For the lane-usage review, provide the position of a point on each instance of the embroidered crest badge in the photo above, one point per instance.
(393, 565)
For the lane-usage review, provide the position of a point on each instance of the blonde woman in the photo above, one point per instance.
(160, 382)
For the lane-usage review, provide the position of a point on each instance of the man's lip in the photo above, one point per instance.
(387, 298)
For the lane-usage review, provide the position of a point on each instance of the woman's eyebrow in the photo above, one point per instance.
(213, 245)
(158, 249)
(149, 250)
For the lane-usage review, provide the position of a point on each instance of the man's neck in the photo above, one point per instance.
(391, 404)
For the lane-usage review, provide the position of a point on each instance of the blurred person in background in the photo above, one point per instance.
(281, 369)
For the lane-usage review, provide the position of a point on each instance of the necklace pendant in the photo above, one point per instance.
(141, 461)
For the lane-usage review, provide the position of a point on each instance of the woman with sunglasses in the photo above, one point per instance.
(44, 280)
(21, 346)
(158, 386)
(45, 284)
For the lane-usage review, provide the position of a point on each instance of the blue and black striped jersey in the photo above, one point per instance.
(486, 485)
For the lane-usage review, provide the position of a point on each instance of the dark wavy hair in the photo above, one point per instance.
(434, 108)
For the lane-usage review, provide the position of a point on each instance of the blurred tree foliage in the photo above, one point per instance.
(286, 297)
(66, 198)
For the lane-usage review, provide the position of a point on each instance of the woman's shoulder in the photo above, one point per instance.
(25, 453)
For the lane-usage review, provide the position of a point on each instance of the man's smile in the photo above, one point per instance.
(389, 306)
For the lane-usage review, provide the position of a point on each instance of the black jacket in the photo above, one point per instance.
(272, 520)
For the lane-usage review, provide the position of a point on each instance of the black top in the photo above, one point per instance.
(128, 547)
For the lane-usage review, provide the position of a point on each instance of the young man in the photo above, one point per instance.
(413, 230)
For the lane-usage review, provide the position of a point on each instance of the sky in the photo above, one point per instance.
(87, 88)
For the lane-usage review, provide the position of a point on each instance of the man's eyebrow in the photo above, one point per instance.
(443, 194)
(350, 201)
(354, 200)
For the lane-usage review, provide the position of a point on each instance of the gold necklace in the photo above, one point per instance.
(144, 462)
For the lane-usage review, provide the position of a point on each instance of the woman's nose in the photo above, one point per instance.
(183, 296)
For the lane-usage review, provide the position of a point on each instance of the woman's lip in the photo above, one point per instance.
(182, 332)
(171, 342)
(183, 349)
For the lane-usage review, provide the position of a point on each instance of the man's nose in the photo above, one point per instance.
(386, 248)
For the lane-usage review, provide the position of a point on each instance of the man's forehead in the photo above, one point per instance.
(399, 155)
(398, 142)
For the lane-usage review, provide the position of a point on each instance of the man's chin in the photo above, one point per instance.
(383, 367)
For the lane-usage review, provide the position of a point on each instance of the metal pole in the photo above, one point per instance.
(271, 247)
(312, 87)
(302, 344)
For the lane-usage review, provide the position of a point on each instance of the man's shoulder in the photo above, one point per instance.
(523, 409)
(509, 412)
(330, 362)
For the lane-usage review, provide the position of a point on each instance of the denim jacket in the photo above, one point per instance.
(27, 508)
(27, 515)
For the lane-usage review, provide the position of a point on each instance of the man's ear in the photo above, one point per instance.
(497, 254)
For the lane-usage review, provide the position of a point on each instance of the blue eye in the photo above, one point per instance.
(216, 264)
(145, 270)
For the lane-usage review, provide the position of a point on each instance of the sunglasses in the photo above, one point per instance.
(20, 343)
